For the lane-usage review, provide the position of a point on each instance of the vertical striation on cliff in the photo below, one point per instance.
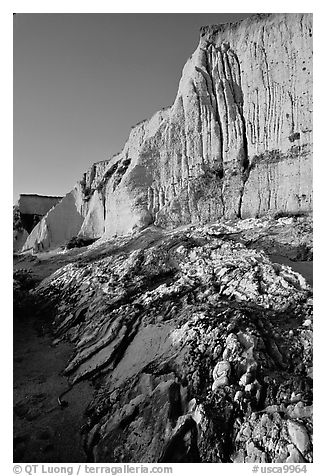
(237, 142)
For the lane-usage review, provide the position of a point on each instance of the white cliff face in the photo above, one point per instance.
(237, 142)
(58, 225)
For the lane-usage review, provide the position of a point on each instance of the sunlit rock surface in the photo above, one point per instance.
(237, 141)
(200, 348)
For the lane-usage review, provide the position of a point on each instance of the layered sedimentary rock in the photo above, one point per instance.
(237, 142)
(28, 212)
(199, 347)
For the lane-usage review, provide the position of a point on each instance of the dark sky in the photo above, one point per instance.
(82, 80)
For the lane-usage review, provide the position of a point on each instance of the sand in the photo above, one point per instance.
(43, 432)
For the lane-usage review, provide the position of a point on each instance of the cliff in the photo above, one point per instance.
(27, 213)
(237, 142)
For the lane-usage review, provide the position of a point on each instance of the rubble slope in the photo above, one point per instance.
(199, 346)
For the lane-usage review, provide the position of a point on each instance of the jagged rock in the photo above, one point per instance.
(295, 456)
(245, 379)
(199, 345)
(299, 436)
(300, 410)
(167, 324)
(236, 141)
(221, 368)
(220, 381)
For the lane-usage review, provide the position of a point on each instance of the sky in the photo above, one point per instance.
(81, 81)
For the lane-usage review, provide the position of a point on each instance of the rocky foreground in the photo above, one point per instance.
(198, 345)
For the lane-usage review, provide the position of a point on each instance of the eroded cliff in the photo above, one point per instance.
(237, 142)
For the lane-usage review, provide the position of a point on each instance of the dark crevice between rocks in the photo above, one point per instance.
(120, 172)
(129, 419)
(182, 447)
(245, 164)
(29, 221)
(221, 414)
(103, 196)
(89, 446)
(199, 111)
(77, 319)
(79, 242)
(107, 175)
(175, 406)
(239, 101)
(87, 190)
(245, 177)
(217, 115)
(294, 136)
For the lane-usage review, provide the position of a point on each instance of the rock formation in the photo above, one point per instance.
(195, 334)
(237, 142)
(199, 347)
(29, 210)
